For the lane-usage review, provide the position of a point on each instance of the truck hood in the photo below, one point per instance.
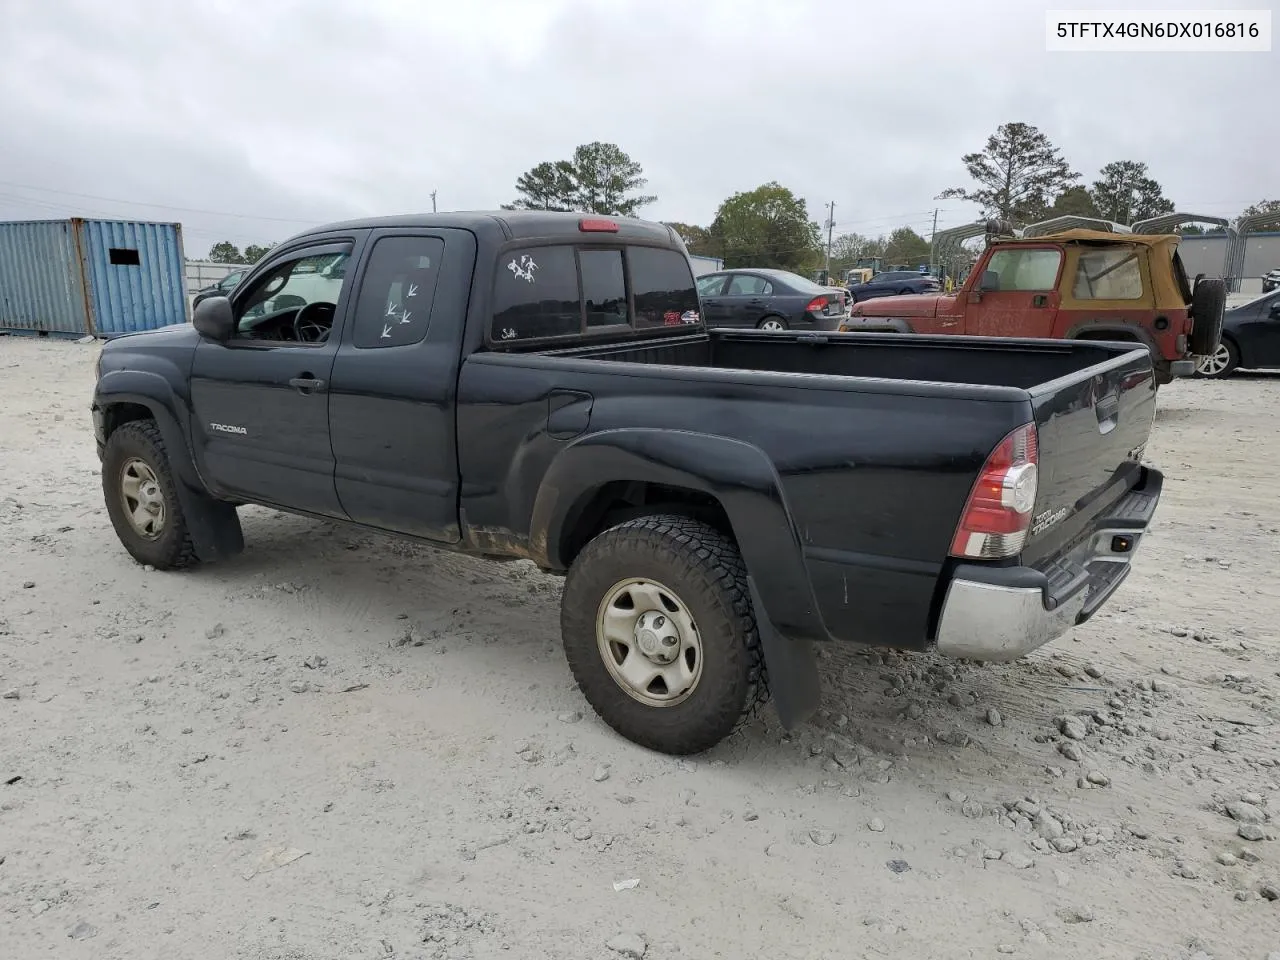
(913, 305)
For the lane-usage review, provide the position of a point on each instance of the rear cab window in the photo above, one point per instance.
(564, 290)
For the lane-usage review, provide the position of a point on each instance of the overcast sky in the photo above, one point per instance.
(252, 119)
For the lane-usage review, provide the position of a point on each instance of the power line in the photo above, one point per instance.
(158, 206)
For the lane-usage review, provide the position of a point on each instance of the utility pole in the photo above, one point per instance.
(933, 235)
(433, 202)
(831, 225)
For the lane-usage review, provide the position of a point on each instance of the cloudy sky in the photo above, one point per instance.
(252, 119)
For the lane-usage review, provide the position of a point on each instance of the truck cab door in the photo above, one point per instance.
(1016, 293)
(394, 385)
(260, 400)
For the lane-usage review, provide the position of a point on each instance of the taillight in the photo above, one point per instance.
(816, 305)
(998, 513)
(597, 225)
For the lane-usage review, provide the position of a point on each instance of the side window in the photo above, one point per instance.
(743, 285)
(535, 294)
(295, 300)
(708, 286)
(662, 285)
(604, 291)
(1026, 269)
(397, 291)
(1107, 274)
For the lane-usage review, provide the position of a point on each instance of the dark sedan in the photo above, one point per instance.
(1250, 339)
(769, 300)
(892, 283)
(222, 288)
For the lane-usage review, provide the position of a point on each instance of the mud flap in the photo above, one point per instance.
(791, 666)
(213, 524)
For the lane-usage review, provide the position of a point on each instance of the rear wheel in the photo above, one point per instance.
(660, 634)
(772, 323)
(1220, 364)
(142, 497)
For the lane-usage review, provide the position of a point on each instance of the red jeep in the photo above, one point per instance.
(1074, 285)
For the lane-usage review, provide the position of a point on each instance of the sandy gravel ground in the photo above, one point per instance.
(341, 746)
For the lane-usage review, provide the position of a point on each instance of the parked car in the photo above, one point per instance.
(1074, 285)
(1250, 339)
(893, 283)
(1271, 281)
(769, 300)
(222, 288)
(532, 385)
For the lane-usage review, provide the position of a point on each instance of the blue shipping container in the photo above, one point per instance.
(101, 277)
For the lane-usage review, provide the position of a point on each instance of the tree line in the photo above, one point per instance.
(1019, 175)
(227, 252)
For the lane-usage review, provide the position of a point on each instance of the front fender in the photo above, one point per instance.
(739, 476)
(213, 524)
(153, 391)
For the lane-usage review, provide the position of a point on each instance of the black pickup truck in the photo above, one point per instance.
(541, 386)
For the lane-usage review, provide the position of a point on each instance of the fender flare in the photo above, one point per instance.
(152, 390)
(214, 524)
(1128, 333)
(742, 479)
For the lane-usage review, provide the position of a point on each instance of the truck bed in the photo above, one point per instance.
(1021, 364)
(876, 440)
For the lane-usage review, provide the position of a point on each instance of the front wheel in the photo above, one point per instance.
(1220, 364)
(142, 497)
(660, 634)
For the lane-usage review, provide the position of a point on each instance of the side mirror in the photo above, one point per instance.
(990, 281)
(1275, 310)
(213, 319)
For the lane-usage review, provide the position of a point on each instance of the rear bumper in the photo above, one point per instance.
(1002, 613)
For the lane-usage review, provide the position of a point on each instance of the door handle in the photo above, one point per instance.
(307, 384)
(1039, 300)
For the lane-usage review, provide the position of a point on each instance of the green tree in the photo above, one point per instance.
(697, 239)
(846, 249)
(607, 180)
(1269, 207)
(1073, 202)
(1124, 193)
(766, 227)
(551, 185)
(600, 179)
(906, 246)
(225, 252)
(1016, 174)
(255, 252)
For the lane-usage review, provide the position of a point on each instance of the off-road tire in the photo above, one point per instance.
(1208, 303)
(705, 568)
(141, 439)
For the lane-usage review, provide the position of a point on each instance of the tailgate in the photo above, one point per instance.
(1092, 429)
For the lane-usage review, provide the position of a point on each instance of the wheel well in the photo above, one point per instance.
(623, 500)
(1121, 335)
(118, 414)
